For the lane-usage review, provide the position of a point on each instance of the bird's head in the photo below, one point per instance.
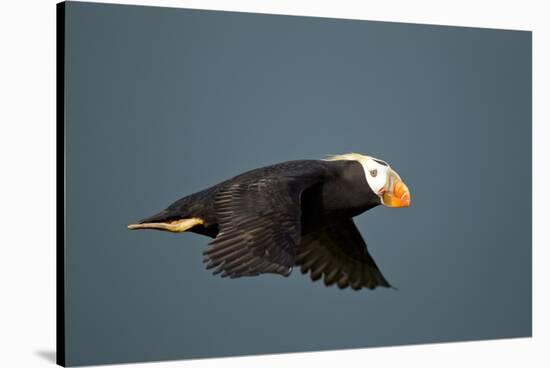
(382, 180)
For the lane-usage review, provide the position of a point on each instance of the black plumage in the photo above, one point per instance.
(296, 213)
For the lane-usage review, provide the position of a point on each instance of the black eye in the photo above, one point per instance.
(373, 173)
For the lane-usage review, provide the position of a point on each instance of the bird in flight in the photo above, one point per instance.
(294, 213)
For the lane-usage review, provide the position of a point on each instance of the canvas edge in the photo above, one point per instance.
(60, 183)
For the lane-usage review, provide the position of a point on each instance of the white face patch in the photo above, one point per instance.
(377, 172)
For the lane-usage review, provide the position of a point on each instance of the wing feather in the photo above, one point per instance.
(338, 253)
(260, 225)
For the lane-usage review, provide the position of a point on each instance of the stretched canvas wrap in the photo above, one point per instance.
(236, 184)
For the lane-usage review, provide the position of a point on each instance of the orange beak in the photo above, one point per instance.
(400, 197)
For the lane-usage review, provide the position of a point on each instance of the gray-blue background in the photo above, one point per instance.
(164, 102)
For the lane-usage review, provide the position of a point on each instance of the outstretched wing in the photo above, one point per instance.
(259, 221)
(339, 254)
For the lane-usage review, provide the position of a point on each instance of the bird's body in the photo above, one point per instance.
(270, 219)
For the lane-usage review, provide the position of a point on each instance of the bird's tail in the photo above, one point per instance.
(175, 226)
(187, 213)
(168, 220)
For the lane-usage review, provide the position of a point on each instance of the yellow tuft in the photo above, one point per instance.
(347, 156)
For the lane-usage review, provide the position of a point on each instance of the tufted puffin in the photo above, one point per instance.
(294, 213)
